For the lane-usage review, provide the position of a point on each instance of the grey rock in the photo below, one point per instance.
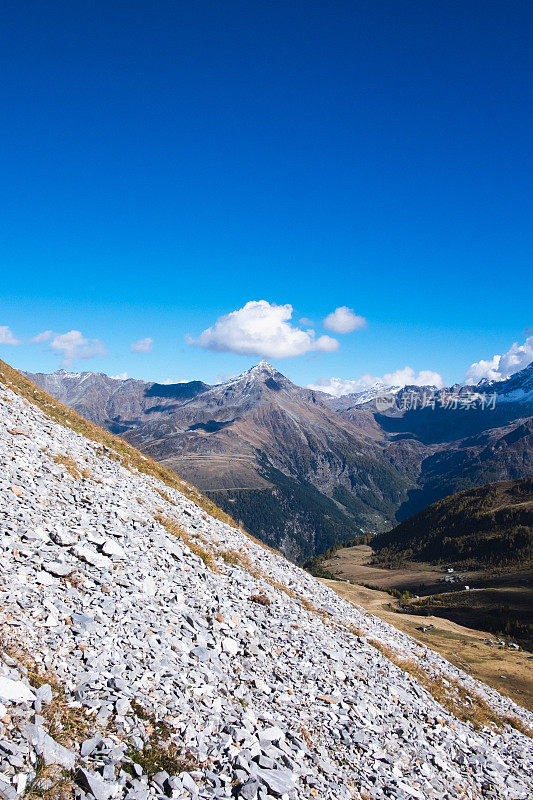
(51, 751)
(15, 691)
(112, 549)
(62, 537)
(58, 568)
(230, 646)
(279, 781)
(90, 745)
(91, 557)
(189, 784)
(249, 790)
(92, 783)
(44, 693)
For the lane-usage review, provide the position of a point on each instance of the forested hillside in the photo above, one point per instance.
(487, 527)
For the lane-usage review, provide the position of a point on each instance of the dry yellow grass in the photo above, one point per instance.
(75, 579)
(192, 543)
(261, 599)
(165, 496)
(355, 630)
(50, 783)
(69, 464)
(231, 557)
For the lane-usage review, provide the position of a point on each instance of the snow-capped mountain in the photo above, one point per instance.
(516, 389)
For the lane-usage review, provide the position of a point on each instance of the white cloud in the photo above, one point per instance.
(73, 346)
(499, 368)
(401, 377)
(7, 337)
(122, 376)
(261, 328)
(483, 369)
(42, 337)
(142, 346)
(339, 386)
(344, 320)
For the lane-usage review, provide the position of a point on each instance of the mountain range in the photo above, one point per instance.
(303, 470)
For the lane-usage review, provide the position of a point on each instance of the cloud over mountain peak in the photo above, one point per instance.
(501, 367)
(261, 328)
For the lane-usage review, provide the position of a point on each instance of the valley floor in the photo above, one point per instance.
(353, 564)
(498, 602)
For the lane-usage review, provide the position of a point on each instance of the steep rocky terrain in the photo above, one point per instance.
(304, 471)
(151, 650)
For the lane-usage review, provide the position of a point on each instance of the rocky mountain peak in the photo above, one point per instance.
(261, 370)
(263, 366)
(252, 382)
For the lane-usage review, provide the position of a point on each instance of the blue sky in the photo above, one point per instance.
(164, 164)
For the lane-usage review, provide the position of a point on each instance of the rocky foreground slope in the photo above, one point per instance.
(149, 650)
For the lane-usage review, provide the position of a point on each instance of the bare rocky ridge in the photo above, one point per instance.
(149, 650)
(114, 403)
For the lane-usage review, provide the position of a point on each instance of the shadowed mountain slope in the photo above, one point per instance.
(114, 403)
(490, 526)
